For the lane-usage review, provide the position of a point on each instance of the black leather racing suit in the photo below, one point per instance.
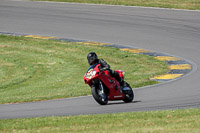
(106, 66)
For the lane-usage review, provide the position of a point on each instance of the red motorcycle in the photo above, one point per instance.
(105, 87)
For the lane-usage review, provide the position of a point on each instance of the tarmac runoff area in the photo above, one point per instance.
(177, 66)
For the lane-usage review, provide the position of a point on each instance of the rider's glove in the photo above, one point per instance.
(101, 69)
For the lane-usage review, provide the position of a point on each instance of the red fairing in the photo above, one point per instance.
(121, 73)
(110, 82)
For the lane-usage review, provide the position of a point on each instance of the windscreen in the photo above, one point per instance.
(92, 67)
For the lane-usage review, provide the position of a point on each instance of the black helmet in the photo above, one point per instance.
(92, 57)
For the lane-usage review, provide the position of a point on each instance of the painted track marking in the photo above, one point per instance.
(176, 68)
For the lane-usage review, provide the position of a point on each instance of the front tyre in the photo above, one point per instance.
(99, 94)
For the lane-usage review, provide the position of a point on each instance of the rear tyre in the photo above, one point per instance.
(98, 92)
(129, 95)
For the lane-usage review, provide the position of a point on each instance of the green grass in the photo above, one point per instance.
(179, 121)
(36, 69)
(177, 4)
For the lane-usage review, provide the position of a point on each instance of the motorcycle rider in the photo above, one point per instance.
(93, 59)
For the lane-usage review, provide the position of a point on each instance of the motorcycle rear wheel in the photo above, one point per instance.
(100, 96)
(129, 95)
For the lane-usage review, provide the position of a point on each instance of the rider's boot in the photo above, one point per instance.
(123, 84)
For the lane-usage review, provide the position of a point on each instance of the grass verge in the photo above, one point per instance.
(177, 4)
(152, 121)
(36, 69)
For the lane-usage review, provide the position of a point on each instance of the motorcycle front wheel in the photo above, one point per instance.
(99, 94)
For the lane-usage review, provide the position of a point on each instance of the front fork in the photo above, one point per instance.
(100, 89)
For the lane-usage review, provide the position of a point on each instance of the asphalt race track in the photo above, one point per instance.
(175, 32)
